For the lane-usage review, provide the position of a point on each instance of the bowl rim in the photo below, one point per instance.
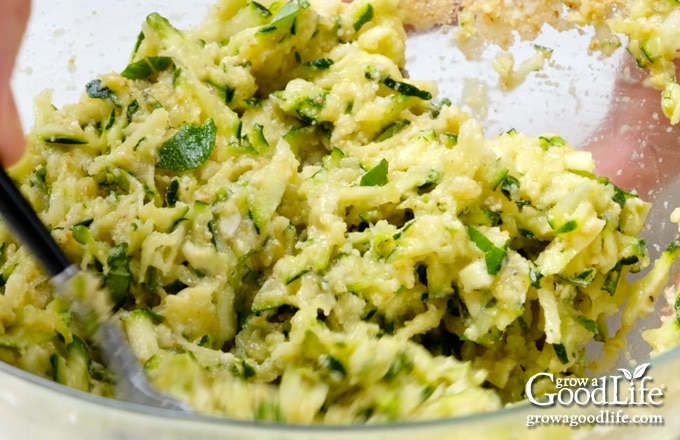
(109, 404)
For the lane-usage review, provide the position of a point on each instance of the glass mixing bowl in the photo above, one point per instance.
(594, 103)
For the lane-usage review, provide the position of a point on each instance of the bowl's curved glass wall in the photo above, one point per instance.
(594, 103)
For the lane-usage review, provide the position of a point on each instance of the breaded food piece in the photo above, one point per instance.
(502, 21)
(421, 15)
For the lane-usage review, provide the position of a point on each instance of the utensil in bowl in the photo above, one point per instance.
(132, 385)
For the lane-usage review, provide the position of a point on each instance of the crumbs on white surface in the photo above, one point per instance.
(476, 96)
(504, 63)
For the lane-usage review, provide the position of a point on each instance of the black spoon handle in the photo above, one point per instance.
(24, 222)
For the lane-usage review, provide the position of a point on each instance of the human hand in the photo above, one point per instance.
(636, 146)
(13, 17)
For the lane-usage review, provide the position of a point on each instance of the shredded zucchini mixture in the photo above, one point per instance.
(291, 229)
